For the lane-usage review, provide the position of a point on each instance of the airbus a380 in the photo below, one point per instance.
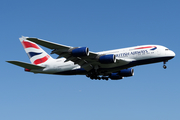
(114, 64)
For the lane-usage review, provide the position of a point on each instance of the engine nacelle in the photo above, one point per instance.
(126, 72)
(106, 59)
(123, 73)
(115, 76)
(79, 52)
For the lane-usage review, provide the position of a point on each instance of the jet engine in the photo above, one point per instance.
(122, 73)
(126, 72)
(106, 59)
(79, 52)
(115, 76)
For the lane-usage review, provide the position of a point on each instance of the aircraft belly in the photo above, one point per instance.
(112, 65)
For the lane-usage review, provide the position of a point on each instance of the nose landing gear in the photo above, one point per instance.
(164, 66)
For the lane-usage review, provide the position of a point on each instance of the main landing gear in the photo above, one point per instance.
(164, 66)
(95, 76)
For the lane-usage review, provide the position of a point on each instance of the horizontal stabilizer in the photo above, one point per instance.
(25, 65)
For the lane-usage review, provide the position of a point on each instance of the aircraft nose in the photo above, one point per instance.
(173, 54)
(170, 54)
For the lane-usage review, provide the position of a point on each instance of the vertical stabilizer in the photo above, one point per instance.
(35, 53)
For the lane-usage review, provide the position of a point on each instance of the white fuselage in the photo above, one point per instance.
(114, 64)
(133, 56)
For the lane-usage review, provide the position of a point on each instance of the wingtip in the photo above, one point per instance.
(8, 61)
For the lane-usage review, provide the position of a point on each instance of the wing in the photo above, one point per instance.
(87, 62)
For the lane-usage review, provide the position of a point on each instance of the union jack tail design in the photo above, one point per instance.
(36, 54)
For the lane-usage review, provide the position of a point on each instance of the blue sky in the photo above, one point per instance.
(152, 93)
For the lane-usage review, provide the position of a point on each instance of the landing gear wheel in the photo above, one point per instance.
(164, 66)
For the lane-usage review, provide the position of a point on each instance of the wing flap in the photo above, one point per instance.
(25, 65)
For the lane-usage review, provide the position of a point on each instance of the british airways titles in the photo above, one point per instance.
(125, 54)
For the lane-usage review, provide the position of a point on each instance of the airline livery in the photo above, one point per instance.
(114, 64)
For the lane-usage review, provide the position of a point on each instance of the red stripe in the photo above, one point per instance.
(145, 47)
(28, 44)
(41, 60)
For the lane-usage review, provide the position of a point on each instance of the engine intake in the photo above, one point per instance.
(107, 59)
(80, 52)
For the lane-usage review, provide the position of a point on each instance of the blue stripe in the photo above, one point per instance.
(154, 48)
(31, 54)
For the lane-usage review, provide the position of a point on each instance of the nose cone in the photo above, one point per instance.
(171, 54)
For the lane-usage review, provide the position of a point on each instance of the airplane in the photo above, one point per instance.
(113, 64)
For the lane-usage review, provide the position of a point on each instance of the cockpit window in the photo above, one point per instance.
(166, 49)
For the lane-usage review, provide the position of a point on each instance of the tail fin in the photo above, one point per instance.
(35, 53)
